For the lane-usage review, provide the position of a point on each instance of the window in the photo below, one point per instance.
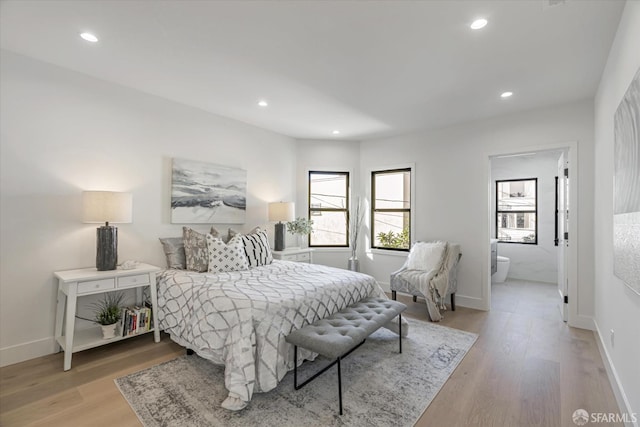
(391, 209)
(517, 211)
(329, 208)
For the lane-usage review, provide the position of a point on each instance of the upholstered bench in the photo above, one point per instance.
(339, 334)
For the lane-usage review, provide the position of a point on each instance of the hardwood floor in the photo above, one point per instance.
(526, 369)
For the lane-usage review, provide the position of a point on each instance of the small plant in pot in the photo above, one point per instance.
(300, 227)
(108, 312)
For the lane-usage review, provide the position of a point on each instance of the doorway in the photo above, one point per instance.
(529, 222)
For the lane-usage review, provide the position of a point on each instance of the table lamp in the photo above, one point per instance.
(281, 211)
(106, 206)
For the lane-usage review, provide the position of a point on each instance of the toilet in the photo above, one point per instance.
(503, 269)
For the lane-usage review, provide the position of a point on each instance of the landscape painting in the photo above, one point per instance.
(626, 206)
(204, 193)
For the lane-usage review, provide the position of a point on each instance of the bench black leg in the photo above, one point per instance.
(295, 367)
(308, 380)
(189, 352)
(400, 330)
(393, 295)
(453, 302)
(339, 386)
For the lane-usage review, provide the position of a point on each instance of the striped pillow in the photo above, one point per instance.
(256, 246)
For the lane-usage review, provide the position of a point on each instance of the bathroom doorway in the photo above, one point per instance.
(531, 262)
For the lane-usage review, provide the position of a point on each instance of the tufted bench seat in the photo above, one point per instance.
(339, 334)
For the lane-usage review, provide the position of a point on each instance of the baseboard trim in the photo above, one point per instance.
(471, 302)
(461, 300)
(26, 351)
(583, 322)
(614, 380)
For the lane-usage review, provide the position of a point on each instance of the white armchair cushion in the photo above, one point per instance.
(426, 256)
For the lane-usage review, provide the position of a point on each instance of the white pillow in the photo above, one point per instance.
(256, 246)
(228, 256)
(426, 256)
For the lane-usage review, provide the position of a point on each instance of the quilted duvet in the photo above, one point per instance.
(240, 318)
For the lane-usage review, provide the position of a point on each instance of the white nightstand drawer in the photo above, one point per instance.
(305, 257)
(296, 255)
(137, 280)
(96, 285)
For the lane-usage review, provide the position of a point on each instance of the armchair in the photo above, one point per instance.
(433, 284)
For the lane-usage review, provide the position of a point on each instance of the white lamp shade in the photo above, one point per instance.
(282, 211)
(106, 206)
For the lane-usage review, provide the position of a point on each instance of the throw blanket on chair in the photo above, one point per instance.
(431, 280)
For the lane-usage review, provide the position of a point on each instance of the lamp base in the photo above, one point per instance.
(107, 251)
(279, 237)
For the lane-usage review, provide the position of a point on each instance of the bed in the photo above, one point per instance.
(240, 319)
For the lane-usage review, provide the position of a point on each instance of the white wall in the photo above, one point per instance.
(452, 187)
(537, 262)
(64, 132)
(616, 306)
(325, 155)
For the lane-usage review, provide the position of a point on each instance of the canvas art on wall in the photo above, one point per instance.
(626, 206)
(203, 193)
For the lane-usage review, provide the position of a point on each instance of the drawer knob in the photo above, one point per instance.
(97, 285)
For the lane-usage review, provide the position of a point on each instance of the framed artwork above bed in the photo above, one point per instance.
(204, 193)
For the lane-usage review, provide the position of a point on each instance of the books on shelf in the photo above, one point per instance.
(136, 320)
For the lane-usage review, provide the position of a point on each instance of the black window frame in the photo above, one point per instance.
(347, 210)
(374, 209)
(498, 212)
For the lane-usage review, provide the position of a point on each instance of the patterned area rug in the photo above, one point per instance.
(380, 387)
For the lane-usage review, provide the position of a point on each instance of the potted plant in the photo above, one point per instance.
(300, 227)
(108, 312)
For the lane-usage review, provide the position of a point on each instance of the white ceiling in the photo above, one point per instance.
(369, 69)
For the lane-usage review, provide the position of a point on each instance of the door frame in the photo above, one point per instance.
(572, 267)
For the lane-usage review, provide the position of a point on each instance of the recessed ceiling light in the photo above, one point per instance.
(479, 23)
(506, 94)
(263, 103)
(336, 132)
(89, 37)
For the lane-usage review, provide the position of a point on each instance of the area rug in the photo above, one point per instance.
(380, 387)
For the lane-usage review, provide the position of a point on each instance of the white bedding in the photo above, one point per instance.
(240, 318)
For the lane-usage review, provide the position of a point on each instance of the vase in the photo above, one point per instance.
(354, 264)
(108, 331)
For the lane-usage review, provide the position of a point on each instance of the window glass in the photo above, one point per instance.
(516, 211)
(391, 209)
(329, 208)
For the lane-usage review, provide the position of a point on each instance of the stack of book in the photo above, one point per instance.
(136, 320)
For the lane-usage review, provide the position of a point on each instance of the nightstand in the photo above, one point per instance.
(89, 281)
(295, 254)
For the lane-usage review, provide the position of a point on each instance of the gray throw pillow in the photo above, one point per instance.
(233, 233)
(215, 233)
(195, 250)
(174, 252)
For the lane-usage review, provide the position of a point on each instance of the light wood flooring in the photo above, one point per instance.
(527, 368)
